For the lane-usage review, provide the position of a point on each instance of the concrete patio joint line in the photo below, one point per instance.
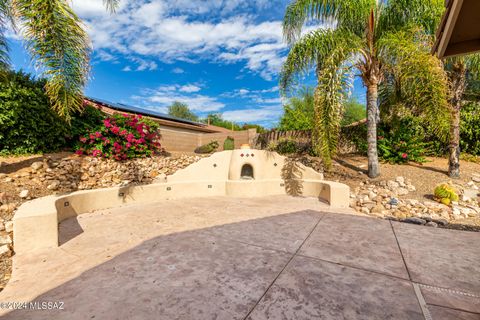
(421, 302)
(286, 265)
(343, 264)
(400, 249)
(449, 291)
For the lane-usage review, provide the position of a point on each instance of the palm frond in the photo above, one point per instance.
(347, 14)
(416, 78)
(311, 50)
(399, 14)
(111, 5)
(4, 16)
(58, 42)
(334, 82)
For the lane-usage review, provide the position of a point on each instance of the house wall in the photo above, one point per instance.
(181, 140)
(174, 139)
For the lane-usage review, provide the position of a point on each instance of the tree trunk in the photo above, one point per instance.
(372, 115)
(457, 85)
(454, 148)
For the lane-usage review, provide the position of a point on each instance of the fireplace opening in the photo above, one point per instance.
(247, 172)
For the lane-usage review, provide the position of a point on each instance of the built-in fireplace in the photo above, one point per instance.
(247, 172)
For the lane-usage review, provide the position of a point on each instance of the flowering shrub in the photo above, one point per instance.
(401, 148)
(121, 137)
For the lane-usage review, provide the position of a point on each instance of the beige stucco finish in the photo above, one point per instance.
(36, 222)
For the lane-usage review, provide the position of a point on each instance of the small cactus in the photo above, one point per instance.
(445, 193)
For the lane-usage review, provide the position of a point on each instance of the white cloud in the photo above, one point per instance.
(165, 95)
(127, 69)
(188, 30)
(260, 114)
(190, 88)
(146, 65)
(178, 70)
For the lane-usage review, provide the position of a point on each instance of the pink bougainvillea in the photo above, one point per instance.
(121, 137)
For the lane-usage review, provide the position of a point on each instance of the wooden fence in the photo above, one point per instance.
(348, 141)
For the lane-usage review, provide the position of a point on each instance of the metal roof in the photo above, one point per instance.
(144, 112)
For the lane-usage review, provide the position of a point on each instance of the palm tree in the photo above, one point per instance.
(374, 37)
(57, 42)
(457, 69)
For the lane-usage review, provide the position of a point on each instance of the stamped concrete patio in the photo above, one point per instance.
(258, 258)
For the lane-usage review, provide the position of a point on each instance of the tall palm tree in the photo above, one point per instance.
(375, 37)
(57, 42)
(457, 69)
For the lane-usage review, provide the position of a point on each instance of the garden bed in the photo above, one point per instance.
(352, 169)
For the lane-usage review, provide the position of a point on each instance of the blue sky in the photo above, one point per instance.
(215, 55)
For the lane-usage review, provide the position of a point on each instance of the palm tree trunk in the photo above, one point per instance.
(454, 159)
(457, 85)
(372, 115)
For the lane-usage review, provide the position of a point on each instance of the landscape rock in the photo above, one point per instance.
(442, 222)
(431, 224)
(37, 165)
(23, 194)
(4, 249)
(5, 238)
(8, 226)
(470, 193)
(54, 185)
(401, 191)
(392, 185)
(415, 220)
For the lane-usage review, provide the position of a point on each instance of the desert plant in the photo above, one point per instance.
(208, 148)
(229, 143)
(445, 193)
(121, 137)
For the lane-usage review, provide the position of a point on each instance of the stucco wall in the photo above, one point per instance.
(240, 137)
(182, 140)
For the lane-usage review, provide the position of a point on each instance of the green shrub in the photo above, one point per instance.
(290, 146)
(84, 122)
(356, 135)
(27, 122)
(286, 146)
(401, 149)
(121, 137)
(445, 193)
(208, 148)
(402, 141)
(470, 129)
(229, 143)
